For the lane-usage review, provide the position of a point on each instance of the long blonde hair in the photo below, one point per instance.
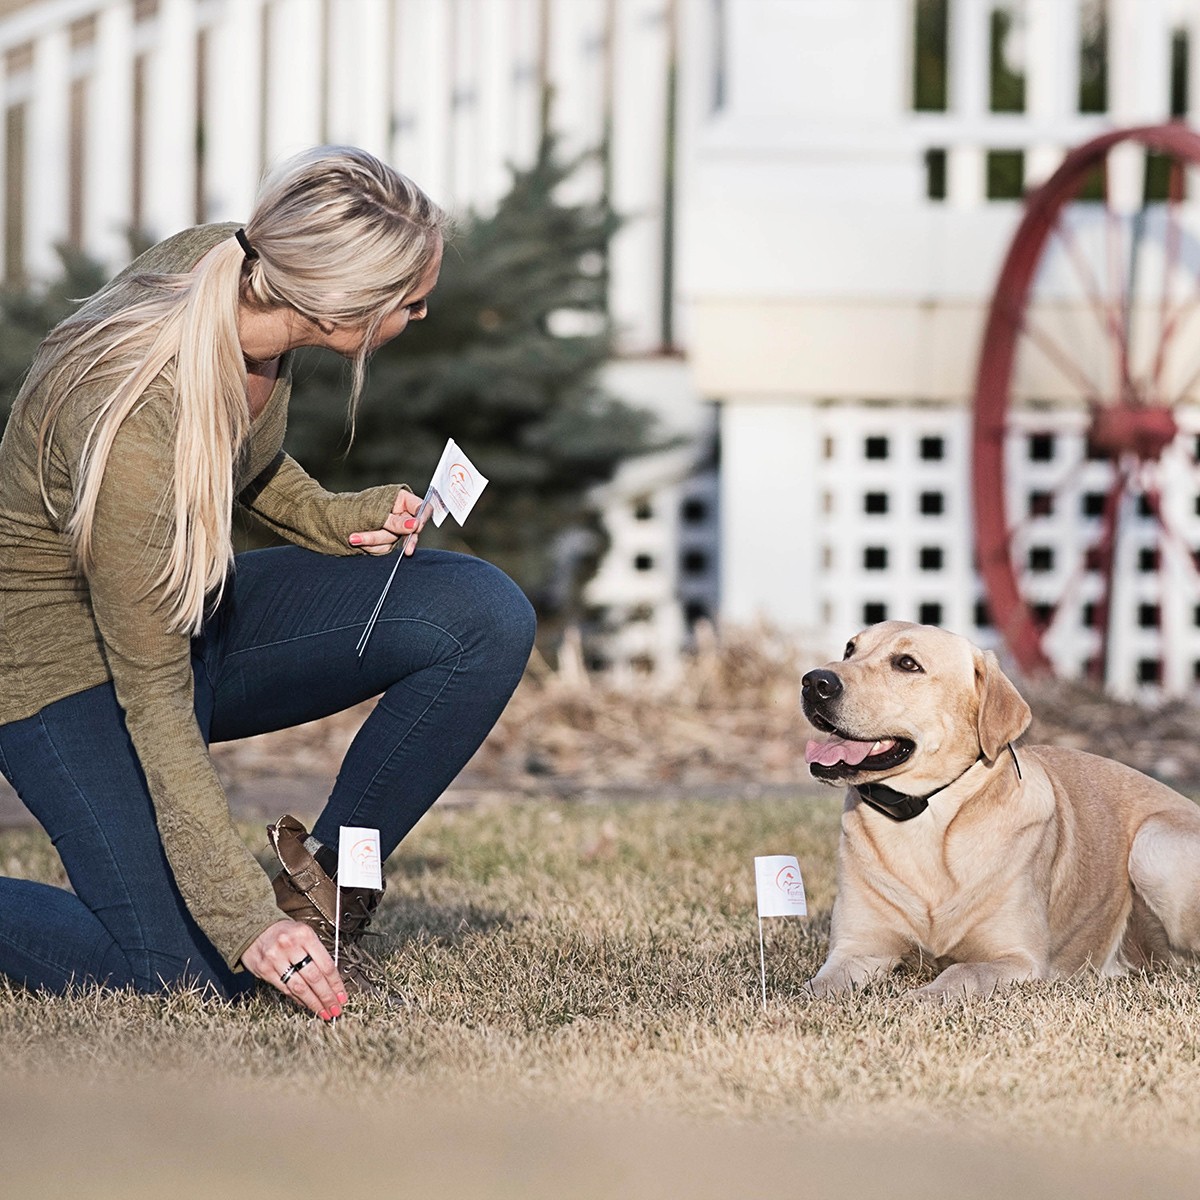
(339, 237)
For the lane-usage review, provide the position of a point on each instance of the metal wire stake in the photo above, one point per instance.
(374, 617)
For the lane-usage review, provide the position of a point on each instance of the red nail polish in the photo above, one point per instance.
(411, 523)
(336, 1011)
(342, 997)
(324, 1015)
(355, 540)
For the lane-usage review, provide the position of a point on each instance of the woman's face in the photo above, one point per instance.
(347, 339)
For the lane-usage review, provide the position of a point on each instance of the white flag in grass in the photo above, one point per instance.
(780, 886)
(455, 486)
(359, 861)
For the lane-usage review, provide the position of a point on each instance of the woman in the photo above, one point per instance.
(130, 640)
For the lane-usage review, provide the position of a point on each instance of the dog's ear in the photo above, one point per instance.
(1003, 714)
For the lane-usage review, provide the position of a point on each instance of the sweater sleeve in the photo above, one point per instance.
(292, 504)
(224, 887)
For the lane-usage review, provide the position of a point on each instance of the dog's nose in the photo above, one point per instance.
(820, 686)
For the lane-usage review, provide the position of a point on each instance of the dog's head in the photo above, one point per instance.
(909, 703)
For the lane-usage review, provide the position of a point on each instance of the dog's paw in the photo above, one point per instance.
(963, 980)
(836, 979)
(819, 988)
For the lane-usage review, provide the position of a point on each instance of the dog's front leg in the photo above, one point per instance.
(862, 944)
(980, 978)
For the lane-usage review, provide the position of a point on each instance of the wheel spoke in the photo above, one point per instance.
(1118, 283)
(1181, 398)
(1175, 320)
(1168, 321)
(1170, 533)
(1069, 478)
(1109, 320)
(1059, 357)
(1106, 555)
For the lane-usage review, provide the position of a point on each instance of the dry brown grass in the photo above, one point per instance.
(584, 1016)
(582, 958)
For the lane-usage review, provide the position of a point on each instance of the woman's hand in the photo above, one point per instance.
(401, 522)
(314, 983)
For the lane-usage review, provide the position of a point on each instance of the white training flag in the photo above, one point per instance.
(455, 486)
(359, 860)
(780, 887)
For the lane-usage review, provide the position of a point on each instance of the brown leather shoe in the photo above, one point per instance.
(304, 892)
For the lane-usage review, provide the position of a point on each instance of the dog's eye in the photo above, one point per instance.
(848, 651)
(906, 662)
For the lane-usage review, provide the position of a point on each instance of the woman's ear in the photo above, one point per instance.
(1003, 713)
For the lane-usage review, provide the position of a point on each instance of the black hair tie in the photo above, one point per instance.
(244, 242)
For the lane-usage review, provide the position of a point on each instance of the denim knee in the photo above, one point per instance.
(502, 617)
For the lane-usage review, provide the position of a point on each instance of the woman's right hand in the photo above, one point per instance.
(317, 984)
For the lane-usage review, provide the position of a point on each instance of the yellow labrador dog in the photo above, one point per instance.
(997, 863)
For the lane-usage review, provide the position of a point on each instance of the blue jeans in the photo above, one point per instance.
(448, 650)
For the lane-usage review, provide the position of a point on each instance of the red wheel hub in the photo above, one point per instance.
(1132, 429)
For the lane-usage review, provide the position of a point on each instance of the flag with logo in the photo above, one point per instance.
(456, 485)
(780, 886)
(359, 861)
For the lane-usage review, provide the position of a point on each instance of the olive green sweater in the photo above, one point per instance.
(61, 633)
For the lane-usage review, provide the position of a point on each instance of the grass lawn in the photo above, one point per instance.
(584, 1018)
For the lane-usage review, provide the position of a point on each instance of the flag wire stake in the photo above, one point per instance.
(337, 922)
(374, 617)
(762, 959)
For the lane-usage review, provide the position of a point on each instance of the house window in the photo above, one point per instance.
(1005, 174)
(931, 44)
(1041, 504)
(1041, 447)
(1149, 670)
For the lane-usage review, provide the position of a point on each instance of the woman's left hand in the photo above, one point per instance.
(401, 522)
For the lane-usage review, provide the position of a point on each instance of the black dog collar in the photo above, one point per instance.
(900, 807)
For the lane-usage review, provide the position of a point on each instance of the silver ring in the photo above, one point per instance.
(296, 966)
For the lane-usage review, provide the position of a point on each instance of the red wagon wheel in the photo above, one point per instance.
(1087, 420)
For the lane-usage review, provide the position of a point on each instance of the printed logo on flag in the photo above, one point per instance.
(780, 886)
(359, 860)
(456, 485)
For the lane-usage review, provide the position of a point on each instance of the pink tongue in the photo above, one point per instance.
(836, 750)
